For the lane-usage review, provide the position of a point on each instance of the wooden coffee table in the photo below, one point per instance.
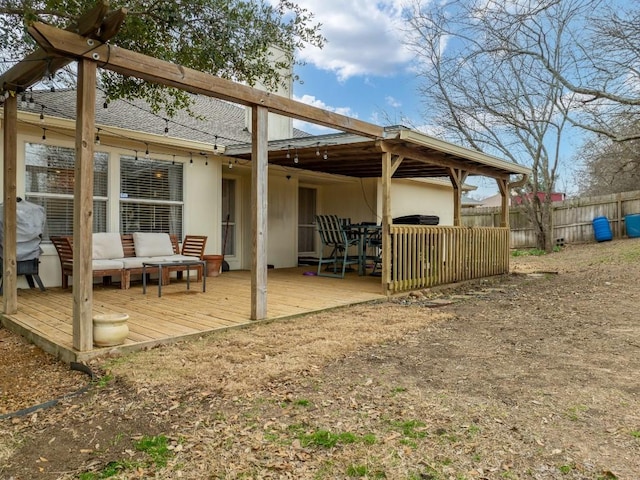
(167, 264)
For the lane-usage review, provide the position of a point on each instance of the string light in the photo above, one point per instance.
(206, 160)
(23, 100)
(326, 155)
(105, 105)
(173, 162)
(146, 152)
(42, 113)
(318, 149)
(215, 144)
(97, 139)
(44, 134)
(230, 164)
(166, 127)
(288, 152)
(295, 158)
(32, 102)
(191, 159)
(136, 154)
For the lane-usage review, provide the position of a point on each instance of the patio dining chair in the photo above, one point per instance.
(334, 236)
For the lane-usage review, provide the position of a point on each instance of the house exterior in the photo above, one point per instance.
(152, 173)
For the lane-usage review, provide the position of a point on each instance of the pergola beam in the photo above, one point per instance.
(151, 69)
(95, 23)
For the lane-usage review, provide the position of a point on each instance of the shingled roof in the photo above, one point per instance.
(211, 117)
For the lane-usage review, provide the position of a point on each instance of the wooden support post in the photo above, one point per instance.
(83, 208)
(458, 177)
(259, 179)
(386, 222)
(9, 274)
(503, 185)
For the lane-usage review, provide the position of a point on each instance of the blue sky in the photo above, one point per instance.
(364, 70)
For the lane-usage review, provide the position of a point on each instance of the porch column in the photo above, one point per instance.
(458, 177)
(503, 185)
(9, 273)
(259, 179)
(83, 208)
(386, 222)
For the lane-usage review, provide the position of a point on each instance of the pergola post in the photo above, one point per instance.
(9, 274)
(83, 208)
(259, 179)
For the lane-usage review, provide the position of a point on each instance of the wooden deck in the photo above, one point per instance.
(45, 318)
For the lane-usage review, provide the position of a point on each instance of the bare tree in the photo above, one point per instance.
(610, 166)
(502, 104)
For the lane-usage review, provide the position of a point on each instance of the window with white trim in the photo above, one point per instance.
(50, 180)
(151, 196)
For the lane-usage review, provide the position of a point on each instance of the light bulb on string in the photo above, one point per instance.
(23, 100)
(215, 144)
(97, 139)
(173, 162)
(166, 127)
(146, 152)
(206, 161)
(32, 102)
(230, 165)
(326, 155)
(42, 113)
(136, 154)
(44, 134)
(318, 149)
(191, 159)
(295, 157)
(288, 152)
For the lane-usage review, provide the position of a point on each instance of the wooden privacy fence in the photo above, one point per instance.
(424, 256)
(572, 219)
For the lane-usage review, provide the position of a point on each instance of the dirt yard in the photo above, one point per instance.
(530, 376)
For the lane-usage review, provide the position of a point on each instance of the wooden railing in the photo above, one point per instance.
(425, 256)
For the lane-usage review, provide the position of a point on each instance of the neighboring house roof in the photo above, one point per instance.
(212, 117)
(471, 202)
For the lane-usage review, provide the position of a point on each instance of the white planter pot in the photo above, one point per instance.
(110, 329)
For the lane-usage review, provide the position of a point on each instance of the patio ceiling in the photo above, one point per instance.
(356, 156)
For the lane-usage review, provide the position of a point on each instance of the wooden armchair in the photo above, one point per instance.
(192, 246)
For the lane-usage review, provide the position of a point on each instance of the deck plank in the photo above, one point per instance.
(46, 317)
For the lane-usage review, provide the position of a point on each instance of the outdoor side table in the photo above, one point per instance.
(177, 263)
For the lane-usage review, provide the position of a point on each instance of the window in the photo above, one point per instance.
(229, 216)
(151, 197)
(306, 219)
(50, 181)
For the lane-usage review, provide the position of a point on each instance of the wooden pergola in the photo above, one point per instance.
(86, 42)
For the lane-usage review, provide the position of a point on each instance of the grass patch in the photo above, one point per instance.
(360, 471)
(635, 433)
(157, 447)
(327, 439)
(411, 428)
(533, 252)
(575, 413)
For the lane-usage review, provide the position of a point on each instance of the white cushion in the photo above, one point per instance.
(107, 245)
(107, 265)
(152, 244)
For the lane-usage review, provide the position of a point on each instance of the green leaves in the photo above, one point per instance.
(228, 38)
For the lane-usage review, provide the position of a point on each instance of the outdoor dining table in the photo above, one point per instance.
(364, 231)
